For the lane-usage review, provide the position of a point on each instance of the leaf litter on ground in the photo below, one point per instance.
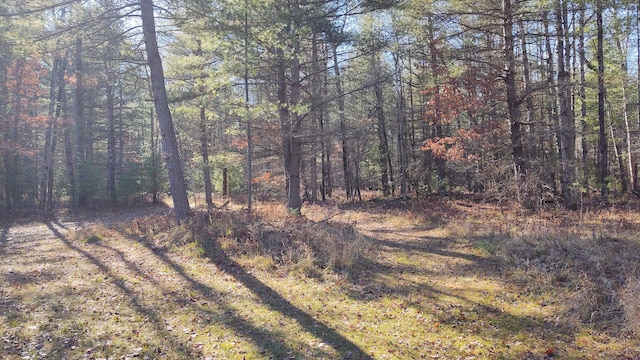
(457, 281)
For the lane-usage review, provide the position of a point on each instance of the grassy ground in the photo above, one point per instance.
(445, 279)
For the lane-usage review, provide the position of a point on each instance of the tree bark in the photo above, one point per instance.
(246, 106)
(384, 154)
(57, 100)
(402, 124)
(548, 141)
(204, 151)
(625, 108)
(316, 132)
(78, 126)
(154, 158)
(603, 149)
(618, 156)
(121, 133)
(225, 182)
(565, 118)
(111, 146)
(4, 104)
(169, 142)
(295, 202)
(437, 121)
(526, 76)
(348, 186)
(583, 95)
(635, 165)
(11, 134)
(290, 119)
(515, 124)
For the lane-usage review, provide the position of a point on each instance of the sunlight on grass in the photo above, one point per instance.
(334, 283)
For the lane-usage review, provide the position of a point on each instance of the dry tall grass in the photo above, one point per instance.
(592, 258)
(589, 260)
(450, 277)
(293, 242)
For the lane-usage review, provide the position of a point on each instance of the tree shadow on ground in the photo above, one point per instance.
(276, 302)
(270, 342)
(154, 318)
(385, 206)
(582, 277)
(424, 286)
(226, 314)
(431, 245)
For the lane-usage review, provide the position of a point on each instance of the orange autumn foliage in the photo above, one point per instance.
(24, 90)
(264, 178)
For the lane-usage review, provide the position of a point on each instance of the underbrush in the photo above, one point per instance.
(292, 243)
(599, 274)
(591, 263)
(446, 279)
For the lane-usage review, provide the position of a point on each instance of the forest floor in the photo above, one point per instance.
(447, 279)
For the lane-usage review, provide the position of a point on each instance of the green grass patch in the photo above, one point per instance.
(92, 239)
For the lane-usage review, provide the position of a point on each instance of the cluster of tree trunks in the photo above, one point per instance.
(365, 98)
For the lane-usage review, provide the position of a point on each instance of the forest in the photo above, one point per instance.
(302, 100)
(319, 179)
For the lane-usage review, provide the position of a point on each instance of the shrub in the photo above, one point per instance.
(294, 242)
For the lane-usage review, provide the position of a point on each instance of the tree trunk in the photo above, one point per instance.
(412, 113)
(402, 125)
(384, 159)
(565, 118)
(440, 162)
(348, 183)
(295, 202)
(204, 151)
(526, 76)
(316, 113)
(49, 137)
(583, 96)
(625, 108)
(618, 155)
(383, 145)
(57, 100)
(327, 185)
(111, 146)
(4, 99)
(356, 166)
(70, 160)
(120, 133)
(283, 114)
(10, 136)
(603, 149)
(154, 157)
(169, 142)
(515, 125)
(638, 62)
(290, 119)
(78, 126)
(225, 182)
(246, 106)
(635, 173)
(551, 108)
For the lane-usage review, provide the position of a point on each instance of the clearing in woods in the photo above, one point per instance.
(378, 280)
